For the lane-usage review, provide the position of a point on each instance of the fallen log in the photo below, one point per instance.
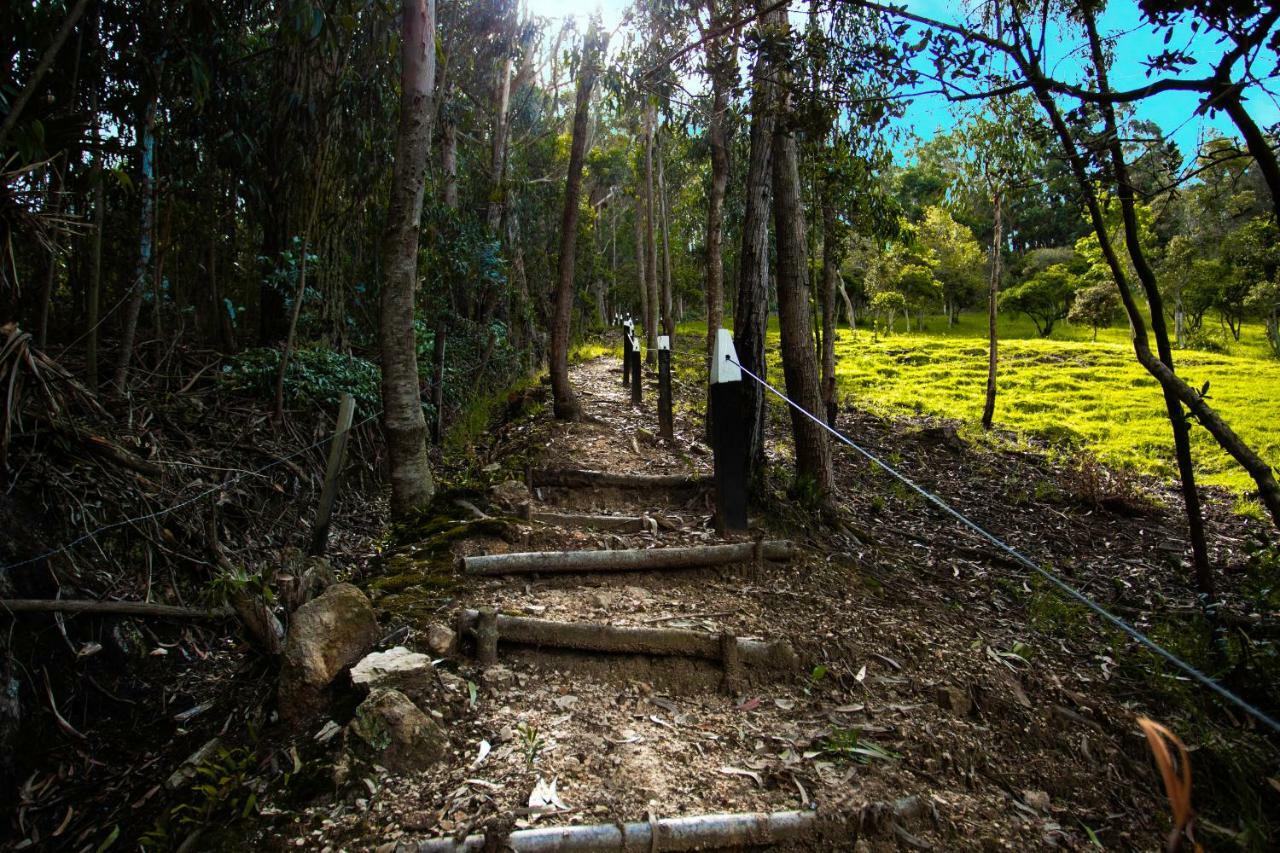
(573, 477)
(696, 832)
(702, 832)
(113, 608)
(595, 637)
(628, 559)
(612, 523)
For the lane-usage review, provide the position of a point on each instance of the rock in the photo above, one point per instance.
(601, 600)
(302, 579)
(397, 734)
(441, 640)
(954, 700)
(511, 493)
(390, 668)
(498, 675)
(943, 436)
(326, 635)
(1038, 800)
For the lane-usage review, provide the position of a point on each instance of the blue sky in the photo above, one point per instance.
(1174, 112)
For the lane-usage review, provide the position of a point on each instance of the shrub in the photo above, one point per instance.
(314, 376)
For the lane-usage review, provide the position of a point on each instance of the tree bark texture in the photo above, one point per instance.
(993, 296)
(412, 484)
(832, 253)
(146, 192)
(564, 400)
(650, 241)
(751, 312)
(799, 365)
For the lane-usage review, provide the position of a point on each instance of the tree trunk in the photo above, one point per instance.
(1177, 417)
(751, 313)
(642, 276)
(95, 263)
(650, 243)
(449, 161)
(831, 257)
(51, 271)
(412, 485)
(668, 321)
(564, 402)
(993, 294)
(146, 190)
(799, 365)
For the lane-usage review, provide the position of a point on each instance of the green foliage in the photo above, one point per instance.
(888, 304)
(531, 743)
(1045, 297)
(223, 793)
(315, 377)
(849, 745)
(1095, 306)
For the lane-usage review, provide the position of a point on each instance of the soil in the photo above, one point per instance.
(923, 674)
(931, 667)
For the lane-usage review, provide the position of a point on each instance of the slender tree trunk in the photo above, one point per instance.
(650, 241)
(449, 161)
(95, 263)
(564, 401)
(993, 295)
(299, 296)
(668, 321)
(1177, 417)
(641, 273)
(751, 313)
(799, 364)
(412, 485)
(146, 192)
(831, 258)
(51, 272)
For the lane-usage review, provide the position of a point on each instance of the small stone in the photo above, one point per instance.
(387, 669)
(440, 640)
(498, 675)
(492, 468)
(601, 600)
(1038, 800)
(401, 736)
(954, 700)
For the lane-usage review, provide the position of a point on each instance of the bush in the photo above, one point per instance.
(314, 376)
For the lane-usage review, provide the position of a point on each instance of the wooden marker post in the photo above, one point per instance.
(728, 438)
(329, 494)
(666, 421)
(636, 371)
(626, 352)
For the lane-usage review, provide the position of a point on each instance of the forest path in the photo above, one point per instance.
(893, 696)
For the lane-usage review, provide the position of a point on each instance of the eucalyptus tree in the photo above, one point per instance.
(564, 401)
(412, 484)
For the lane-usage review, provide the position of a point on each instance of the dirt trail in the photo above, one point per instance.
(908, 684)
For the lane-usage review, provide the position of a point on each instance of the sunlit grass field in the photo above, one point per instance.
(1066, 389)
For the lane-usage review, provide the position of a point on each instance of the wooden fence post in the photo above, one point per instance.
(626, 352)
(728, 438)
(666, 420)
(637, 373)
(329, 494)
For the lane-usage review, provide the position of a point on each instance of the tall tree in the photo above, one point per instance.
(751, 311)
(564, 401)
(799, 365)
(412, 484)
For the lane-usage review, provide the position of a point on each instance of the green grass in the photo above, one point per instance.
(1065, 389)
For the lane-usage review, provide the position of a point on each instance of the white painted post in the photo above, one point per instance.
(728, 438)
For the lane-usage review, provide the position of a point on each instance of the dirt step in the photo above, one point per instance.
(488, 628)
(629, 559)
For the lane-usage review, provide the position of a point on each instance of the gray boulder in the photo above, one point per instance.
(326, 635)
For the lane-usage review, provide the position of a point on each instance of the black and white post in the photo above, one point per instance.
(626, 352)
(728, 438)
(666, 421)
(636, 371)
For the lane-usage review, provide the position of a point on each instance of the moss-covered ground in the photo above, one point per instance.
(1067, 389)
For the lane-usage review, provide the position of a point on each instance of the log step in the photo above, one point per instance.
(612, 523)
(736, 654)
(628, 559)
(574, 477)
